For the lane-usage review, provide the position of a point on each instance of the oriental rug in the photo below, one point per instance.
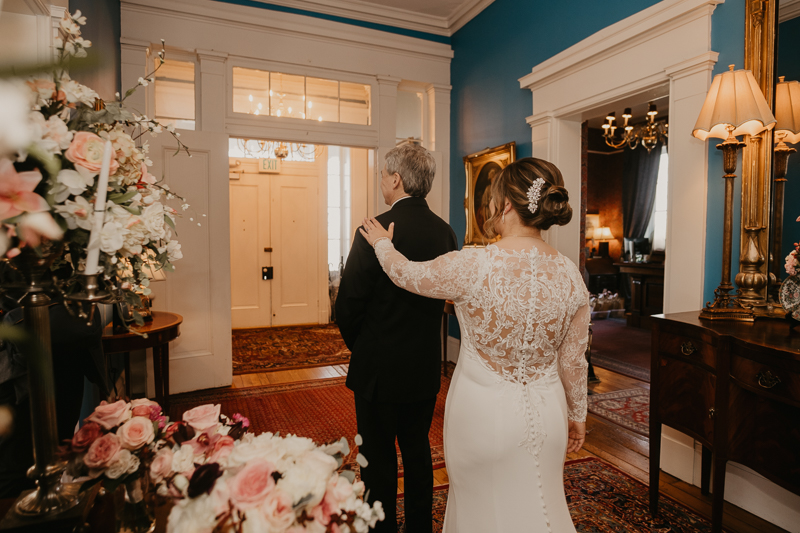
(285, 347)
(628, 408)
(621, 349)
(602, 499)
(322, 410)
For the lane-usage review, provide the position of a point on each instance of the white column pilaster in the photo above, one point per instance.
(211, 92)
(438, 142)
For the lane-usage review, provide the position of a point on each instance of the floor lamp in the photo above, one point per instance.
(734, 106)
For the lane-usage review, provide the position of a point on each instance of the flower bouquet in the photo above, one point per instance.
(224, 479)
(52, 186)
(790, 288)
(115, 447)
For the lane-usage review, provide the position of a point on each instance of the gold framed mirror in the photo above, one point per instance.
(764, 228)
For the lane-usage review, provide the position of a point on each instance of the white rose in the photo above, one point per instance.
(126, 463)
(112, 237)
(309, 476)
(58, 132)
(191, 516)
(74, 182)
(153, 218)
(174, 251)
(183, 459)
(16, 131)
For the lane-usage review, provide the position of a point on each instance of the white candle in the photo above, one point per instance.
(93, 255)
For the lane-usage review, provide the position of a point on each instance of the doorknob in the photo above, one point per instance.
(266, 273)
(268, 249)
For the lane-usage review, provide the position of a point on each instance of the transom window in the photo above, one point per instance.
(258, 92)
(174, 89)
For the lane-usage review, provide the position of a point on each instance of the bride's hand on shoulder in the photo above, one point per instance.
(373, 231)
(575, 436)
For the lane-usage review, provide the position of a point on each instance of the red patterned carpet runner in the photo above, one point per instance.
(285, 347)
(602, 499)
(322, 410)
(627, 408)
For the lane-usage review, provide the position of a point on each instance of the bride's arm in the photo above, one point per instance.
(573, 366)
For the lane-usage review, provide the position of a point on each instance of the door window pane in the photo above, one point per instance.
(322, 100)
(287, 95)
(355, 103)
(174, 94)
(250, 91)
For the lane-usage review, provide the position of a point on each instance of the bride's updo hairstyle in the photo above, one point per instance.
(514, 182)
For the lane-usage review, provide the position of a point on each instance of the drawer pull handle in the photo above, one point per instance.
(767, 380)
(687, 348)
(711, 412)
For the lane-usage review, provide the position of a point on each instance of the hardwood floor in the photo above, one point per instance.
(616, 445)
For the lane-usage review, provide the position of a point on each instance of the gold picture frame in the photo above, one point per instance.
(481, 168)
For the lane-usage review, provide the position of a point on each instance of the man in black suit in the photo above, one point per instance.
(395, 339)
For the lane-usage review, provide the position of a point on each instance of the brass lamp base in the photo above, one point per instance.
(732, 314)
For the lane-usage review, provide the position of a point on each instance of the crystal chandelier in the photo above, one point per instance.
(648, 134)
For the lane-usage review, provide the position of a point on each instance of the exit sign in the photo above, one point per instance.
(269, 166)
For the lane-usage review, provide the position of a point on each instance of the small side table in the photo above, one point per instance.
(164, 328)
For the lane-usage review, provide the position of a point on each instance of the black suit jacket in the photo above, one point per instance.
(395, 335)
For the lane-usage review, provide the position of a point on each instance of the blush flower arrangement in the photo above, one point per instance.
(793, 259)
(49, 168)
(222, 478)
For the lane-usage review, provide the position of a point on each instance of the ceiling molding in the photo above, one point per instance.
(788, 9)
(390, 16)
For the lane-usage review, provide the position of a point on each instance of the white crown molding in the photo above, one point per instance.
(289, 24)
(788, 9)
(658, 19)
(391, 16)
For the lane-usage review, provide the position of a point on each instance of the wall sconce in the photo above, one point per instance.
(734, 106)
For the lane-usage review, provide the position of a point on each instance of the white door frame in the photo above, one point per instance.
(666, 47)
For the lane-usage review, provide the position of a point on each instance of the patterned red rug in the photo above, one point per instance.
(602, 499)
(627, 408)
(284, 347)
(322, 410)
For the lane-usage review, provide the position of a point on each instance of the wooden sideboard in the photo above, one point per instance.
(735, 388)
(647, 291)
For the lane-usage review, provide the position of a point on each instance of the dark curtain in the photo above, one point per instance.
(639, 178)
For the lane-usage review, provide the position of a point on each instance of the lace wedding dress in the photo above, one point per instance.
(521, 375)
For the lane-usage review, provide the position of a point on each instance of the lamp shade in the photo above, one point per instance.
(603, 234)
(734, 100)
(787, 111)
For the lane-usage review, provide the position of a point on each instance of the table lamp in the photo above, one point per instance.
(603, 235)
(787, 130)
(734, 106)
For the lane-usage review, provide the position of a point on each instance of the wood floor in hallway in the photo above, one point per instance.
(618, 446)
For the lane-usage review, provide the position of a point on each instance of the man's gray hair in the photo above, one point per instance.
(416, 167)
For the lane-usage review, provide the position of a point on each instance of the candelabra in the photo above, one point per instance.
(648, 134)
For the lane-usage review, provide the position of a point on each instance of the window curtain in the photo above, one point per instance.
(639, 179)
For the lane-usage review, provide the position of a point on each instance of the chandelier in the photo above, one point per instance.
(648, 134)
(258, 149)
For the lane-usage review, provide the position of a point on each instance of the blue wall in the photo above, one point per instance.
(508, 38)
(789, 66)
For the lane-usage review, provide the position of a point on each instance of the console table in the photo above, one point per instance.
(735, 388)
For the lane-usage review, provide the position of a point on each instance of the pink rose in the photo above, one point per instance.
(102, 452)
(277, 510)
(221, 449)
(85, 436)
(86, 150)
(161, 466)
(136, 432)
(337, 492)
(146, 178)
(252, 484)
(144, 407)
(141, 410)
(202, 418)
(110, 415)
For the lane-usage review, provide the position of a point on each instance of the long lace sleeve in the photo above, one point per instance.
(446, 277)
(573, 366)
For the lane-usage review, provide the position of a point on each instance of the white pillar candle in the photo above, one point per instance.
(93, 255)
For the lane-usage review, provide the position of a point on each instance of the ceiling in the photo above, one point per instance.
(440, 17)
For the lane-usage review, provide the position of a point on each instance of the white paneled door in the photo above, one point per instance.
(275, 222)
(201, 357)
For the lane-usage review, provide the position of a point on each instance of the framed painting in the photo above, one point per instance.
(481, 169)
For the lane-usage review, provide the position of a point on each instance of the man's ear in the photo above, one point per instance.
(397, 181)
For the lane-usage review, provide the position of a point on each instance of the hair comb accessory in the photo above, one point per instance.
(534, 194)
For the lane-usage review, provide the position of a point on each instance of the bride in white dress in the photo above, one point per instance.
(517, 401)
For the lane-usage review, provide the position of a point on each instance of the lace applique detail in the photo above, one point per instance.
(524, 314)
